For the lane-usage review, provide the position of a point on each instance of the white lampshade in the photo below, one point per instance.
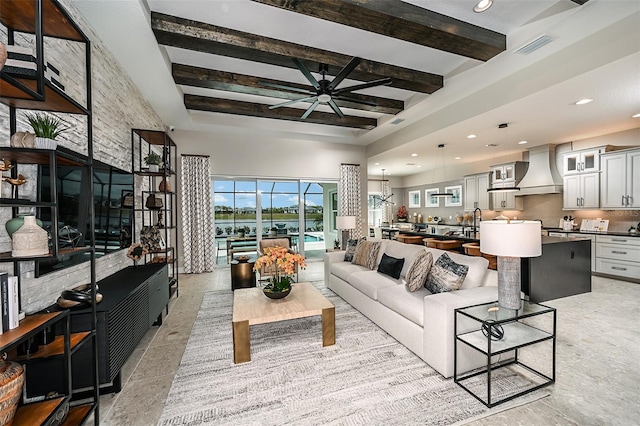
(345, 222)
(515, 238)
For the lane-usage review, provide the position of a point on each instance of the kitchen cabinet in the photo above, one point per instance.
(620, 180)
(618, 256)
(505, 200)
(583, 161)
(475, 192)
(508, 172)
(581, 191)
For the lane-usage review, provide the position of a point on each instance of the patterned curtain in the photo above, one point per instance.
(350, 203)
(386, 205)
(198, 241)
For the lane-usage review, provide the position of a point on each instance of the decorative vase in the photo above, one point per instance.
(11, 384)
(30, 239)
(14, 224)
(45, 143)
(165, 185)
(3, 55)
(402, 219)
(154, 168)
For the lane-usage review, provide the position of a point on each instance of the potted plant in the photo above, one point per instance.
(153, 160)
(47, 128)
(402, 214)
(281, 263)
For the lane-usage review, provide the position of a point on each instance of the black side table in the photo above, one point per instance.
(242, 274)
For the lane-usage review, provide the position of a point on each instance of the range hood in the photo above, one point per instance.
(542, 175)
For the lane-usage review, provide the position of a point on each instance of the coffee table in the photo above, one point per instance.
(251, 306)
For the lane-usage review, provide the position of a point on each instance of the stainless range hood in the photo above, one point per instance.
(542, 176)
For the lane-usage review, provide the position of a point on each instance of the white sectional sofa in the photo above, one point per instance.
(421, 321)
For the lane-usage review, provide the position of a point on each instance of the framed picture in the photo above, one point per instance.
(456, 200)
(430, 201)
(414, 199)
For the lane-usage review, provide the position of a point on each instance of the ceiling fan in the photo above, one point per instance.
(325, 91)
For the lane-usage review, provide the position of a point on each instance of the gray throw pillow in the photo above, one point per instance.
(446, 275)
(351, 249)
(419, 270)
(367, 254)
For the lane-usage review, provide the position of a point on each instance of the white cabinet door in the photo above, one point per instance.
(483, 195)
(590, 189)
(505, 200)
(613, 180)
(581, 162)
(571, 194)
(470, 192)
(633, 179)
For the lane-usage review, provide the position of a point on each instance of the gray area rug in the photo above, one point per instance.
(366, 378)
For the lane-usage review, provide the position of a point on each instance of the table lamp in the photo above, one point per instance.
(510, 240)
(345, 223)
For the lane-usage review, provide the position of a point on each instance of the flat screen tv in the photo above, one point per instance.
(112, 219)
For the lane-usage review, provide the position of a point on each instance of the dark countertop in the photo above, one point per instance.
(577, 231)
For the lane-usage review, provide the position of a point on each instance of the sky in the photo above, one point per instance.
(285, 193)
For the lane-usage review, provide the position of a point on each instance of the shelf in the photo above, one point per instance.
(162, 173)
(154, 137)
(20, 15)
(7, 257)
(16, 202)
(27, 327)
(41, 156)
(56, 347)
(37, 413)
(54, 99)
(77, 415)
(516, 335)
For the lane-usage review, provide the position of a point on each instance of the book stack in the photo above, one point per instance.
(52, 74)
(20, 60)
(9, 306)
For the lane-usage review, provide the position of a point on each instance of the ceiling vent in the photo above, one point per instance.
(397, 121)
(534, 45)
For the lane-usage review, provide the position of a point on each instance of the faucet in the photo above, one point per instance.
(474, 220)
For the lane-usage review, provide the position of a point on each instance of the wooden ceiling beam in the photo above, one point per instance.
(193, 35)
(226, 106)
(404, 21)
(239, 83)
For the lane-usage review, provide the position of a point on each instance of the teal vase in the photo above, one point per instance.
(16, 223)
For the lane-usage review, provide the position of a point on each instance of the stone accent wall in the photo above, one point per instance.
(117, 108)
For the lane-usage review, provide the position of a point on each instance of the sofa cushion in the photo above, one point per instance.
(369, 282)
(478, 268)
(445, 275)
(419, 270)
(390, 266)
(408, 304)
(401, 250)
(366, 254)
(343, 270)
(351, 249)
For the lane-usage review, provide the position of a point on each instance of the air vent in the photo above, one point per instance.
(397, 121)
(534, 45)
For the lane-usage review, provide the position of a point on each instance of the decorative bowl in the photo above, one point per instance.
(276, 294)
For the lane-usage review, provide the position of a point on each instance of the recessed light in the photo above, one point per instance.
(411, 164)
(584, 101)
(482, 5)
(419, 165)
(522, 142)
(635, 116)
(457, 158)
(376, 164)
(472, 136)
(491, 144)
(414, 155)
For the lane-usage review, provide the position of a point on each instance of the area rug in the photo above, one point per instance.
(366, 378)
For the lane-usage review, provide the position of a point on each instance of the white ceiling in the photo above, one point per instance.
(595, 53)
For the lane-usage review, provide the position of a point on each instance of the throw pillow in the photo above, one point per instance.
(367, 254)
(351, 249)
(419, 270)
(391, 266)
(446, 275)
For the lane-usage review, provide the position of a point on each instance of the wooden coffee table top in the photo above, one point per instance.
(250, 304)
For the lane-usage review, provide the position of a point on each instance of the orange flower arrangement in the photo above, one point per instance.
(283, 264)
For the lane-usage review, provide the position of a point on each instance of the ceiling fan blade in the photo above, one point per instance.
(307, 73)
(374, 83)
(310, 109)
(280, 86)
(335, 108)
(295, 101)
(344, 72)
(355, 101)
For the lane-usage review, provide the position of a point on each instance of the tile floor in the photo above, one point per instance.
(598, 348)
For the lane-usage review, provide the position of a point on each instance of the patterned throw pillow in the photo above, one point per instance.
(446, 275)
(391, 266)
(351, 249)
(419, 270)
(367, 254)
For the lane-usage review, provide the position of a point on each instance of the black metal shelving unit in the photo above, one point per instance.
(40, 19)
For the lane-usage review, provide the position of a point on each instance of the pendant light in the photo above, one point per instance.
(384, 199)
(510, 188)
(444, 171)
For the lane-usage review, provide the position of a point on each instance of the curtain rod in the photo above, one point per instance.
(194, 155)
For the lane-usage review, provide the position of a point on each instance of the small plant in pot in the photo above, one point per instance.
(402, 214)
(153, 160)
(47, 128)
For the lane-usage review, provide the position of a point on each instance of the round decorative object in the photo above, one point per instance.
(11, 383)
(30, 239)
(14, 224)
(45, 143)
(271, 294)
(3, 55)
(137, 251)
(494, 330)
(78, 297)
(242, 259)
(165, 185)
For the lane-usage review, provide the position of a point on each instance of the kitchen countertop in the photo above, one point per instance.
(577, 231)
